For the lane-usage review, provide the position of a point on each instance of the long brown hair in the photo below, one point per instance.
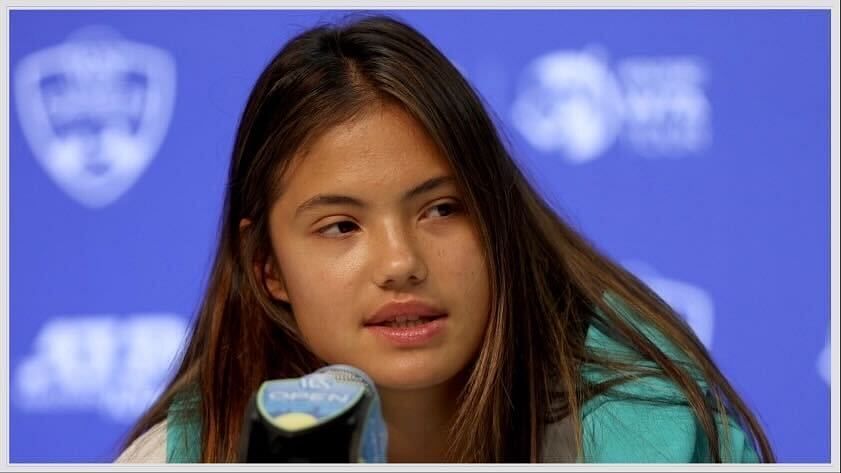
(548, 283)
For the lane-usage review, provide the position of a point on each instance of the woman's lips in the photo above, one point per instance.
(412, 336)
(398, 310)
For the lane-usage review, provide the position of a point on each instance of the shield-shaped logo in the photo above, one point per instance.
(95, 110)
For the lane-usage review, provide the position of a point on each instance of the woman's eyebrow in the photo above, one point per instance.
(338, 199)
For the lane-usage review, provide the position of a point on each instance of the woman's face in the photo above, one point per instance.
(371, 215)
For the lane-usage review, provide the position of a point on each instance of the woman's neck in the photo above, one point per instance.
(418, 422)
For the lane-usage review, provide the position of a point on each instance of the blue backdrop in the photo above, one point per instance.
(691, 146)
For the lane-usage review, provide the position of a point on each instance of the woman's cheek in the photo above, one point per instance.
(474, 274)
(465, 253)
(327, 304)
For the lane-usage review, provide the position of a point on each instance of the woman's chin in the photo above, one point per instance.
(409, 379)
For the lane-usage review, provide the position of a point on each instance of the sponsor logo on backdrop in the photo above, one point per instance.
(112, 364)
(95, 110)
(693, 303)
(823, 364)
(577, 105)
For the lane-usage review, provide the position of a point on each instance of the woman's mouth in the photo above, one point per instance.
(414, 332)
(408, 322)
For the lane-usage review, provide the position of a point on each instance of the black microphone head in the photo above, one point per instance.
(374, 435)
(332, 415)
(351, 374)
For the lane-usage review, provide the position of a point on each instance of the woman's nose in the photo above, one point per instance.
(398, 262)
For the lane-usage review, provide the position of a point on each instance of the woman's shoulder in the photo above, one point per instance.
(631, 431)
(148, 448)
(647, 418)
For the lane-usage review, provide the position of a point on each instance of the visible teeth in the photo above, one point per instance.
(406, 323)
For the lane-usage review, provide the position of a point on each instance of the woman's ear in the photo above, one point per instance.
(268, 273)
(273, 280)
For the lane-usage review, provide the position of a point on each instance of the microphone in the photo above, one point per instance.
(332, 415)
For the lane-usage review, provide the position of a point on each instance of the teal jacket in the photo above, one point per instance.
(617, 430)
(614, 430)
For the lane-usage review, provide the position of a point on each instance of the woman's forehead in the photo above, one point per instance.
(383, 150)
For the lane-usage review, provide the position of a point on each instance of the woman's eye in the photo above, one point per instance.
(338, 228)
(443, 210)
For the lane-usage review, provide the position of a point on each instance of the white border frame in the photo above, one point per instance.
(421, 4)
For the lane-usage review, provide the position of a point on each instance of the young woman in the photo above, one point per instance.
(368, 186)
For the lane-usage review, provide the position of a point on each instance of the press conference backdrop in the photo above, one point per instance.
(691, 146)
